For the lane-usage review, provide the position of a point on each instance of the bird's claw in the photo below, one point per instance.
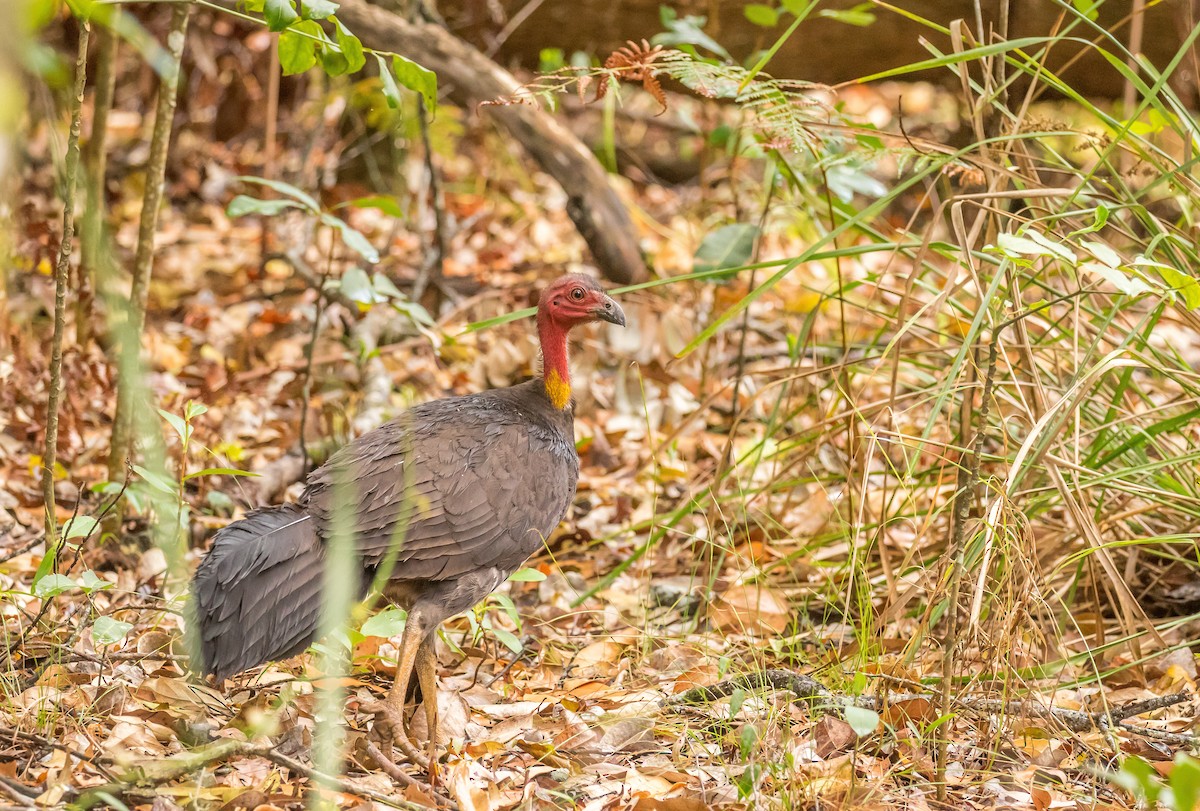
(387, 729)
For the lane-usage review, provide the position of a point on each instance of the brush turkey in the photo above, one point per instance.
(446, 501)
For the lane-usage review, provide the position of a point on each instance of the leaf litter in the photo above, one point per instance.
(657, 584)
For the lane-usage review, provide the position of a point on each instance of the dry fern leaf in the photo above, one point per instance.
(634, 63)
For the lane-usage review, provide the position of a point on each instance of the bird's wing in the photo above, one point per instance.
(446, 494)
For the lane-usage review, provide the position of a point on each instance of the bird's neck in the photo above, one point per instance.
(555, 371)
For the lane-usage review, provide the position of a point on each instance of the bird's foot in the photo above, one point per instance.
(388, 730)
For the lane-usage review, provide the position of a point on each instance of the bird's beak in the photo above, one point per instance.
(608, 310)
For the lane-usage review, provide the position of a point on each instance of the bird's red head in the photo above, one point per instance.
(567, 302)
(576, 299)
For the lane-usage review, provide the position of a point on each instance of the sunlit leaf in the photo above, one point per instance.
(527, 576)
(279, 14)
(81, 526)
(861, 720)
(508, 640)
(417, 79)
(53, 584)
(859, 15)
(287, 189)
(387, 623)
(298, 47)
(156, 480)
(317, 9)
(89, 581)
(242, 205)
(108, 631)
(761, 15)
(353, 239)
(351, 47)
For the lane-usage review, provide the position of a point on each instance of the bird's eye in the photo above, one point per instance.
(577, 294)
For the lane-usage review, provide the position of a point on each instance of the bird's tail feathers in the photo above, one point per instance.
(257, 594)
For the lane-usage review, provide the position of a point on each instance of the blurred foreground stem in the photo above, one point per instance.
(96, 163)
(143, 264)
(61, 275)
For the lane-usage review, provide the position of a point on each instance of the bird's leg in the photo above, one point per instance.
(426, 666)
(389, 714)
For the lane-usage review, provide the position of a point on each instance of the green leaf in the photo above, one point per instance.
(177, 422)
(1186, 286)
(417, 79)
(356, 286)
(317, 9)
(1185, 782)
(333, 61)
(730, 246)
(193, 410)
(384, 203)
(298, 47)
(351, 47)
(52, 585)
(108, 631)
(156, 480)
(242, 205)
(760, 14)
(391, 90)
(846, 181)
(862, 720)
(288, 189)
(508, 640)
(1091, 10)
(387, 623)
(219, 471)
(1102, 252)
(1055, 248)
(736, 699)
(526, 576)
(1014, 246)
(860, 15)
(280, 14)
(353, 239)
(81, 526)
(1138, 778)
(747, 741)
(384, 287)
(687, 30)
(89, 581)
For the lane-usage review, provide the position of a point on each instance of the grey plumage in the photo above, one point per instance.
(453, 496)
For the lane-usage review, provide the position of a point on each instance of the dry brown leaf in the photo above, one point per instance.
(599, 658)
(833, 736)
(751, 608)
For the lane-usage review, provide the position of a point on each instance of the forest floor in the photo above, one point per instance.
(681, 565)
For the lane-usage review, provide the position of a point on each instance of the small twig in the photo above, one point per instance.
(400, 776)
(23, 548)
(308, 355)
(512, 25)
(19, 792)
(34, 738)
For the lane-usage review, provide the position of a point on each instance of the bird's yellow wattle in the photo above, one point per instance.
(557, 389)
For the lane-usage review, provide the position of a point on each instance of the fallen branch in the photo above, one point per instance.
(138, 779)
(806, 688)
(593, 204)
